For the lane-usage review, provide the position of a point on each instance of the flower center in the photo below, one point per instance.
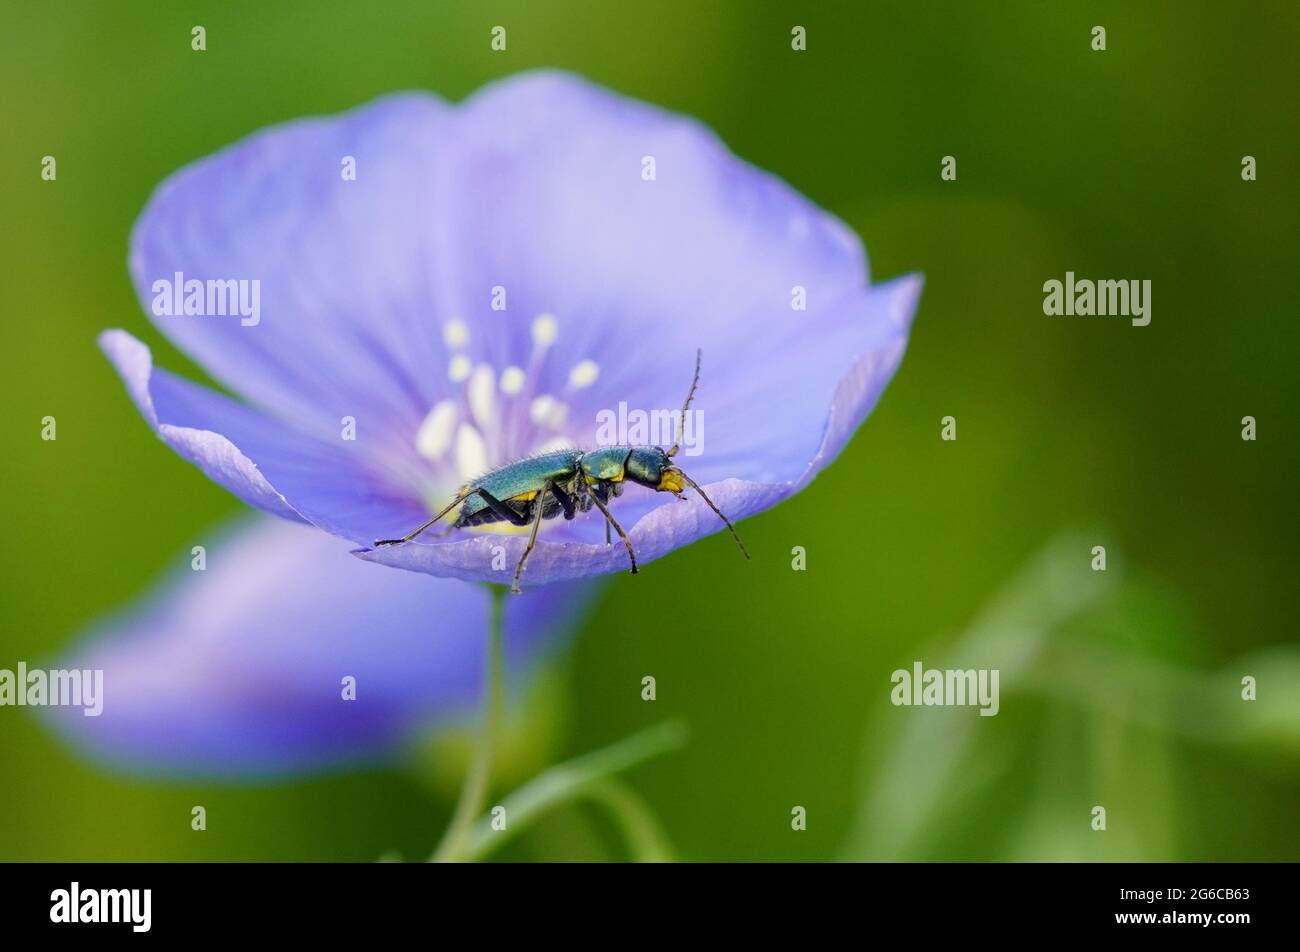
(497, 414)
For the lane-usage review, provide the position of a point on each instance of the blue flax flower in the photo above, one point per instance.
(240, 670)
(441, 289)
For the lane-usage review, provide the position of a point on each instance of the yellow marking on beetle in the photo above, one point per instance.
(505, 528)
(670, 480)
(433, 497)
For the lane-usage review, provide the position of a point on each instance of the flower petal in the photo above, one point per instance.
(554, 204)
(268, 465)
(238, 670)
(347, 275)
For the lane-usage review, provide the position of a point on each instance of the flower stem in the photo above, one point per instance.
(474, 790)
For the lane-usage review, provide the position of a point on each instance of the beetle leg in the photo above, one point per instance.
(415, 532)
(564, 499)
(501, 509)
(532, 537)
(618, 488)
(611, 521)
(493, 503)
(591, 491)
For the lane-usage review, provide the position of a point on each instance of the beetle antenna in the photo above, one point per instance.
(696, 486)
(681, 419)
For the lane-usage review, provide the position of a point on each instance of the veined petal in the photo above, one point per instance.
(265, 463)
(646, 239)
(332, 219)
(239, 670)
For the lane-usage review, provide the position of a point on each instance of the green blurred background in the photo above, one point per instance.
(1119, 689)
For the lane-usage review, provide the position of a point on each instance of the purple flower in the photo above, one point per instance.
(470, 284)
(239, 669)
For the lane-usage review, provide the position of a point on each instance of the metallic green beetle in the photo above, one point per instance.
(570, 481)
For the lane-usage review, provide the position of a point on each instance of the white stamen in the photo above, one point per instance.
(435, 433)
(545, 330)
(584, 374)
(471, 452)
(460, 368)
(482, 395)
(547, 411)
(455, 334)
(512, 380)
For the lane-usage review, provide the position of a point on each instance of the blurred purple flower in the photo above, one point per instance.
(238, 670)
(497, 274)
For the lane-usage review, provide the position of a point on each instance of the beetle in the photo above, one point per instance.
(527, 491)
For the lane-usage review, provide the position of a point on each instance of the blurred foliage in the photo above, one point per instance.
(1117, 164)
(1092, 670)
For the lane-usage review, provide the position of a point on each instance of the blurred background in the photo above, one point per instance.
(1120, 688)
